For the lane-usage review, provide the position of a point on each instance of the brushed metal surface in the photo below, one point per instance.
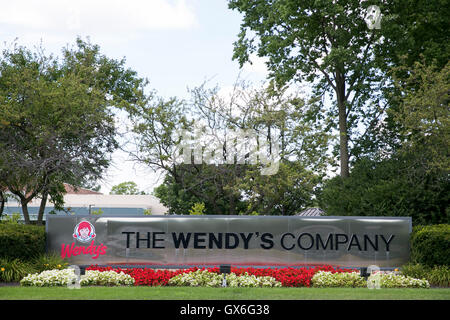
(237, 240)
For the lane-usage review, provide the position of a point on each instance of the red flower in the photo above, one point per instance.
(289, 277)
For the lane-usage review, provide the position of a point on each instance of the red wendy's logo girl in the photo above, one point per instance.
(84, 231)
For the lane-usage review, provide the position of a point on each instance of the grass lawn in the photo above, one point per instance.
(197, 293)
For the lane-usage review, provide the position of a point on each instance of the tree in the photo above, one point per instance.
(2, 200)
(175, 197)
(128, 187)
(412, 31)
(326, 43)
(414, 180)
(57, 119)
(230, 186)
(391, 187)
(286, 121)
(201, 183)
(288, 192)
(424, 115)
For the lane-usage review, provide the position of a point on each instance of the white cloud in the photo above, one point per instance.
(257, 65)
(104, 16)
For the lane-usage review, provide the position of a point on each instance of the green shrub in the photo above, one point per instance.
(49, 262)
(14, 218)
(13, 270)
(21, 241)
(415, 270)
(436, 276)
(439, 276)
(430, 245)
(387, 188)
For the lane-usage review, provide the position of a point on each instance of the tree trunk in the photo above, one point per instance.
(42, 208)
(26, 215)
(232, 205)
(343, 141)
(343, 132)
(2, 203)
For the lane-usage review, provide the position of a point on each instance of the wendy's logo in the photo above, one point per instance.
(84, 231)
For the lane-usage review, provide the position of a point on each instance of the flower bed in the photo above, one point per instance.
(324, 279)
(66, 277)
(206, 278)
(146, 276)
(50, 278)
(322, 276)
(288, 277)
(106, 278)
(392, 280)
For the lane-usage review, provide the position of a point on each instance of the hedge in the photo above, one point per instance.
(430, 245)
(21, 241)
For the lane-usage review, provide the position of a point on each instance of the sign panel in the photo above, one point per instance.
(182, 241)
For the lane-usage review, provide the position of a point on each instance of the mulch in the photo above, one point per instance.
(9, 284)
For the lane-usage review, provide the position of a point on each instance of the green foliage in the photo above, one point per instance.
(424, 115)
(390, 187)
(430, 245)
(175, 197)
(13, 269)
(48, 261)
(415, 270)
(197, 209)
(14, 218)
(128, 187)
(413, 29)
(436, 276)
(208, 184)
(287, 192)
(57, 118)
(97, 212)
(440, 276)
(21, 241)
(279, 118)
(324, 43)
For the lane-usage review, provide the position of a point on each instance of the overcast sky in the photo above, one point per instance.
(174, 43)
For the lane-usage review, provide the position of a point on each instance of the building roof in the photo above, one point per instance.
(311, 212)
(105, 201)
(111, 201)
(77, 190)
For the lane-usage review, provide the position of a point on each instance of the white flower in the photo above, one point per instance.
(211, 279)
(67, 276)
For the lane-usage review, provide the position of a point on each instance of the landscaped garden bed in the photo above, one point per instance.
(320, 276)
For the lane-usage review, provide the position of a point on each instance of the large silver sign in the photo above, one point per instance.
(181, 241)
